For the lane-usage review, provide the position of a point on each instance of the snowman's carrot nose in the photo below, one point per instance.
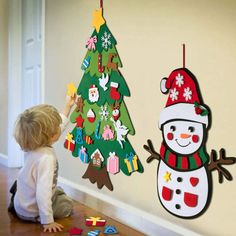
(185, 135)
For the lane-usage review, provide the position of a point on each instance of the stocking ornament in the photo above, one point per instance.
(114, 94)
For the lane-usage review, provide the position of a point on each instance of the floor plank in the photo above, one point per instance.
(11, 225)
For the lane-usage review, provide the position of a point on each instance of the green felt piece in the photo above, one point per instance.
(102, 38)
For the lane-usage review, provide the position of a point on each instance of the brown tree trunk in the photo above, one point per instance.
(100, 176)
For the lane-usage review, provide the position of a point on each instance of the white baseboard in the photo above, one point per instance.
(129, 215)
(3, 159)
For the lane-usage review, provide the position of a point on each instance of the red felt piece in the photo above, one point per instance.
(75, 231)
(194, 181)
(79, 121)
(190, 199)
(166, 193)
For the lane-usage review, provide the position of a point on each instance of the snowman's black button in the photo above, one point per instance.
(179, 179)
(178, 191)
(177, 206)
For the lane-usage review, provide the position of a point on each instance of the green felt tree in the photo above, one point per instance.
(99, 137)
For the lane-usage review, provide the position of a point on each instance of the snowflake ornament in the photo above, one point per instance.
(174, 94)
(104, 113)
(106, 40)
(187, 94)
(179, 80)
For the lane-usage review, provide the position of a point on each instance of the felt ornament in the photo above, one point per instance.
(131, 162)
(93, 93)
(98, 19)
(71, 90)
(113, 163)
(103, 81)
(110, 229)
(114, 94)
(115, 111)
(110, 64)
(75, 231)
(86, 63)
(93, 232)
(79, 104)
(106, 40)
(104, 113)
(100, 67)
(91, 116)
(88, 139)
(69, 143)
(121, 131)
(108, 133)
(91, 43)
(83, 155)
(79, 135)
(184, 180)
(79, 121)
(97, 158)
(97, 135)
(95, 221)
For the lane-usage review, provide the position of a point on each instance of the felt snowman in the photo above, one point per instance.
(184, 182)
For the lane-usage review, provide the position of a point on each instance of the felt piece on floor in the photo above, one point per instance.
(93, 233)
(75, 231)
(99, 176)
(110, 229)
(95, 221)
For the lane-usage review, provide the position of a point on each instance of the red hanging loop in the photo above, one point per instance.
(101, 4)
(183, 55)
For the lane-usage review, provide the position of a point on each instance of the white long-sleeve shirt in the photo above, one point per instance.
(36, 183)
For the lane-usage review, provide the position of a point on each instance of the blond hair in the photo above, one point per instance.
(36, 126)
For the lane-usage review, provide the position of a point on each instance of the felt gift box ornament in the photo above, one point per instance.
(131, 162)
(97, 158)
(70, 143)
(91, 116)
(95, 221)
(113, 163)
(83, 155)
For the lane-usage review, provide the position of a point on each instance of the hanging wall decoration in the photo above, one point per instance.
(102, 122)
(184, 174)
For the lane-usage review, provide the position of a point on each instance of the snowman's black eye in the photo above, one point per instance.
(172, 128)
(191, 129)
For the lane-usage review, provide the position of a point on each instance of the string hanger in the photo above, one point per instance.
(101, 3)
(183, 55)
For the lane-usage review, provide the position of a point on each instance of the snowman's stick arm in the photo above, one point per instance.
(149, 148)
(216, 164)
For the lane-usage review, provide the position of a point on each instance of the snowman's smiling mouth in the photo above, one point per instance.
(176, 140)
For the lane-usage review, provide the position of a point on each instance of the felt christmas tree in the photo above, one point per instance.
(102, 122)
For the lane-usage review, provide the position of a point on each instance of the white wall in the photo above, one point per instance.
(3, 74)
(149, 35)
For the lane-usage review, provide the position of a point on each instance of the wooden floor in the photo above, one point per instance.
(10, 225)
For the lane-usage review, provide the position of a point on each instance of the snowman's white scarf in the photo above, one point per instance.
(183, 162)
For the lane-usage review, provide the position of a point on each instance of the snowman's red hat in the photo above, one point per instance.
(184, 101)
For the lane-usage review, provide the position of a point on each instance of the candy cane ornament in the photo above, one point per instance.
(100, 67)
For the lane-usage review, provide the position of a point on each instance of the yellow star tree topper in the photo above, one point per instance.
(98, 19)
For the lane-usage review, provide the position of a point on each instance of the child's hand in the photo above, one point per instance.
(52, 227)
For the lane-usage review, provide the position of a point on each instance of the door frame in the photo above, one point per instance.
(15, 154)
